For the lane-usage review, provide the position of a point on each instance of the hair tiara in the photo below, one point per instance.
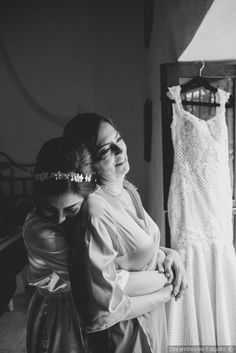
(71, 176)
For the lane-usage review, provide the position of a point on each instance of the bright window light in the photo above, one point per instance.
(215, 38)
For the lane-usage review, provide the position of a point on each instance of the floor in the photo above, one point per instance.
(13, 326)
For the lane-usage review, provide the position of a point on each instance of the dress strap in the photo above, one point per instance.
(174, 93)
(223, 98)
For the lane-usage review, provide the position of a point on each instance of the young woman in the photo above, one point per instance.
(61, 183)
(122, 304)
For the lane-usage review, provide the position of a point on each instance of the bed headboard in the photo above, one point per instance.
(15, 193)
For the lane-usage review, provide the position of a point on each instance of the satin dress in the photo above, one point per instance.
(53, 325)
(118, 239)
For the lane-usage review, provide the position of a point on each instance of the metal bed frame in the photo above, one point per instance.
(15, 197)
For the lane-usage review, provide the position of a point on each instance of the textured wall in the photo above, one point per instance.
(70, 56)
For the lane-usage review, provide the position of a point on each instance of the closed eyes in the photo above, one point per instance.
(71, 209)
(49, 208)
(104, 151)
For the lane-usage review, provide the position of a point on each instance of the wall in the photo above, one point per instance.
(117, 40)
(70, 56)
(48, 44)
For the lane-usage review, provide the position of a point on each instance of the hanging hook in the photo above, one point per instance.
(201, 68)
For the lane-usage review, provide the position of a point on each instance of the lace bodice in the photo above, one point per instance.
(200, 204)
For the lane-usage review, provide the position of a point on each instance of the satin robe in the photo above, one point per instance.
(53, 325)
(116, 239)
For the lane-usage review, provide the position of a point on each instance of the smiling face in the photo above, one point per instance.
(59, 207)
(111, 152)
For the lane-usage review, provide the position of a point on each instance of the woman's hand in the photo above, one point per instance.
(165, 294)
(161, 256)
(175, 272)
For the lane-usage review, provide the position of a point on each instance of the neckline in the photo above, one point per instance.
(199, 119)
(138, 211)
(196, 117)
(110, 192)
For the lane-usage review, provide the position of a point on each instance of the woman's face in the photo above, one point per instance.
(59, 207)
(112, 160)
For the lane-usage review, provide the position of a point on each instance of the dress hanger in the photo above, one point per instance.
(197, 82)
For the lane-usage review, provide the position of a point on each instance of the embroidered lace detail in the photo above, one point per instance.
(197, 194)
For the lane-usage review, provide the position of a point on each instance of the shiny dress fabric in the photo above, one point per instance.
(118, 238)
(53, 325)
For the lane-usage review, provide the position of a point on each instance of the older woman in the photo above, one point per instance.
(122, 304)
(61, 183)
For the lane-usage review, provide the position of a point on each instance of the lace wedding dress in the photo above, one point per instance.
(200, 217)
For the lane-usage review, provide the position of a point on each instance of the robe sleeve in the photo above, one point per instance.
(108, 303)
(122, 278)
(46, 244)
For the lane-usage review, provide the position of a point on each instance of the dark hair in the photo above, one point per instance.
(54, 157)
(83, 129)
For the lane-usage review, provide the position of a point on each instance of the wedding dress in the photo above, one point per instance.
(200, 218)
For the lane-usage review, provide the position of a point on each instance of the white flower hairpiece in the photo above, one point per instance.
(71, 176)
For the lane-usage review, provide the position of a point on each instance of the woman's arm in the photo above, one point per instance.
(144, 282)
(146, 303)
(171, 263)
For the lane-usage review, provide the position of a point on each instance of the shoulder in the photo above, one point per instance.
(96, 205)
(39, 232)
